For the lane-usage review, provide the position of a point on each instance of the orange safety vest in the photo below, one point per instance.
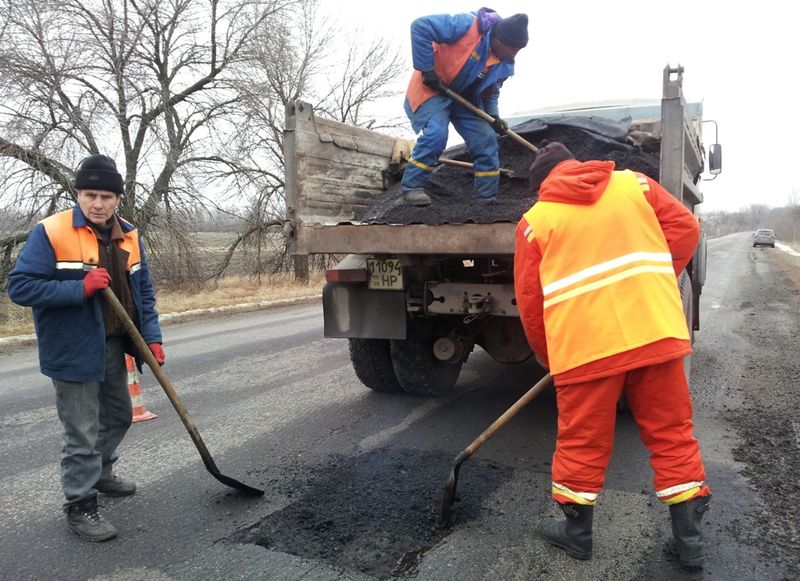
(76, 248)
(596, 264)
(448, 60)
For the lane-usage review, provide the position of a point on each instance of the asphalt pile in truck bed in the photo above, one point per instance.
(450, 188)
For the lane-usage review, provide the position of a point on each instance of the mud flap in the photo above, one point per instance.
(354, 311)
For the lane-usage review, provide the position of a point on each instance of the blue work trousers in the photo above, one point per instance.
(96, 416)
(433, 119)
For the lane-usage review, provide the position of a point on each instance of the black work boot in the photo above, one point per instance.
(84, 520)
(686, 517)
(115, 486)
(574, 534)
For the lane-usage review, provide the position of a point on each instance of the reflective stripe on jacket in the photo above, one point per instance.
(596, 259)
(76, 248)
(48, 276)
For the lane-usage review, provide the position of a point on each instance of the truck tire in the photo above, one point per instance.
(372, 363)
(419, 372)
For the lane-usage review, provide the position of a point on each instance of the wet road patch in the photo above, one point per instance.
(374, 513)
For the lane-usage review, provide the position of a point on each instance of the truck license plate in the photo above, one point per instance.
(385, 274)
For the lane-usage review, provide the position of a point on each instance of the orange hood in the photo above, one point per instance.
(576, 182)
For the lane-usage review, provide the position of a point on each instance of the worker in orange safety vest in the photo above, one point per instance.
(471, 54)
(595, 271)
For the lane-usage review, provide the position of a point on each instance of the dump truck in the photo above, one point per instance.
(416, 293)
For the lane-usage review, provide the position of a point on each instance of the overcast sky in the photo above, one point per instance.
(740, 60)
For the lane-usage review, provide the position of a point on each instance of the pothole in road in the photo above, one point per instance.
(374, 513)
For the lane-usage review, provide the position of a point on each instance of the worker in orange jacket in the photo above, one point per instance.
(595, 271)
(471, 54)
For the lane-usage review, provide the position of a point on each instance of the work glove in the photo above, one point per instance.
(94, 281)
(500, 127)
(431, 80)
(158, 352)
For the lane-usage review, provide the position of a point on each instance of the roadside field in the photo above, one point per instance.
(174, 295)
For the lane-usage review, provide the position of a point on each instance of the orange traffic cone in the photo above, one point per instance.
(140, 413)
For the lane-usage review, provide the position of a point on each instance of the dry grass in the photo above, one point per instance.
(16, 320)
(236, 290)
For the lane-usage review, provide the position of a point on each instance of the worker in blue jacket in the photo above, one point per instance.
(68, 258)
(472, 54)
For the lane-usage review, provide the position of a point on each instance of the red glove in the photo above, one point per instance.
(158, 352)
(94, 281)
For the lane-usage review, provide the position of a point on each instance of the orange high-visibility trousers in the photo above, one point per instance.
(658, 396)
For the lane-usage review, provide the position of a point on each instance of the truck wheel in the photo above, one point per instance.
(418, 371)
(373, 364)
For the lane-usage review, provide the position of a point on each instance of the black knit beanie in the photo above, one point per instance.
(550, 155)
(98, 172)
(512, 31)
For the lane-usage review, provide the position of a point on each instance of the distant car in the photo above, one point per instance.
(764, 237)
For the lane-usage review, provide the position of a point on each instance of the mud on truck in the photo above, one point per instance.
(418, 288)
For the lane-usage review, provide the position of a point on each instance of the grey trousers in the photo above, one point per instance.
(96, 416)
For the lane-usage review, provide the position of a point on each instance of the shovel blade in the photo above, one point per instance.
(232, 482)
(449, 495)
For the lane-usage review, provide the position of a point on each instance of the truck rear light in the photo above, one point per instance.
(346, 275)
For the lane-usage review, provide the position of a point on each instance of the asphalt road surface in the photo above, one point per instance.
(354, 479)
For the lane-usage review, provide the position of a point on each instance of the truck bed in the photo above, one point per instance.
(343, 194)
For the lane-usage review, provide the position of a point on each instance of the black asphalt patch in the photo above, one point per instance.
(451, 189)
(375, 513)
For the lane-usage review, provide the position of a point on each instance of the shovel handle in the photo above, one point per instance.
(531, 394)
(467, 165)
(166, 384)
(488, 118)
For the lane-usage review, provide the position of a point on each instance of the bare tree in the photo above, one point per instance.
(154, 77)
(293, 59)
(367, 74)
(793, 203)
(187, 95)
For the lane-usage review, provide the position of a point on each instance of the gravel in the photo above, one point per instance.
(451, 189)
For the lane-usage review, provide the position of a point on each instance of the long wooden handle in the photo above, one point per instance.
(150, 359)
(508, 414)
(488, 118)
(468, 165)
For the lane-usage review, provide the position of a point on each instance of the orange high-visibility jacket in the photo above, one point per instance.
(448, 60)
(48, 276)
(76, 248)
(596, 263)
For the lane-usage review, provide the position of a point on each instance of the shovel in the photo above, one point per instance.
(467, 165)
(488, 118)
(150, 359)
(452, 481)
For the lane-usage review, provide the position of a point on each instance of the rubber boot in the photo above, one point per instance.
(84, 520)
(417, 197)
(686, 517)
(574, 534)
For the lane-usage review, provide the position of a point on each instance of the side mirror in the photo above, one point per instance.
(715, 159)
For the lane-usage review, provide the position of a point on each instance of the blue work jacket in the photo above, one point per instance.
(69, 328)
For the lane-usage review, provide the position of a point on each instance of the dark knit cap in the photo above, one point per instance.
(98, 172)
(550, 155)
(512, 31)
